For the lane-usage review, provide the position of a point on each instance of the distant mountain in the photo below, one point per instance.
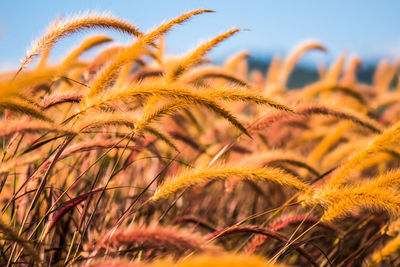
(303, 75)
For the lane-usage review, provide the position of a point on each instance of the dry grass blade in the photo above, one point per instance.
(232, 62)
(197, 54)
(389, 249)
(334, 71)
(294, 56)
(56, 99)
(169, 92)
(155, 114)
(279, 156)
(199, 74)
(163, 137)
(133, 52)
(367, 198)
(245, 96)
(87, 44)
(23, 107)
(341, 114)
(190, 178)
(12, 235)
(387, 179)
(378, 144)
(68, 26)
(11, 164)
(263, 231)
(349, 76)
(104, 119)
(13, 126)
(211, 260)
(154, 237)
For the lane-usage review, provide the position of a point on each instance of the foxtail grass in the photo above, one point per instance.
(192, 177)
(69, 26)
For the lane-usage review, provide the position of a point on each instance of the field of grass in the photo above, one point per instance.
(138, 158)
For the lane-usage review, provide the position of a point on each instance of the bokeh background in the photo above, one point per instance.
(369, 29)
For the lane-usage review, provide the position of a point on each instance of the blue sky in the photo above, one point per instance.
(367, 28)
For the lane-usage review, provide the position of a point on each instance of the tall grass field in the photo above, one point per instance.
(138, 158)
